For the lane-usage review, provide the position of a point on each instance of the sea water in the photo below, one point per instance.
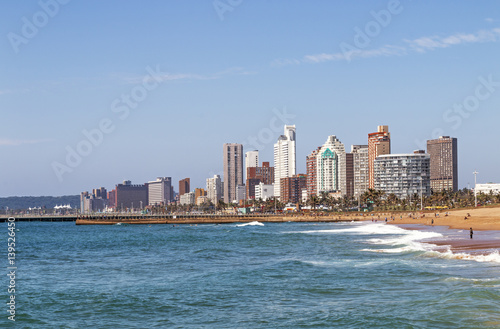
(272, 275)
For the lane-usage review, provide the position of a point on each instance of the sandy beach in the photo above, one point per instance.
(479, 219)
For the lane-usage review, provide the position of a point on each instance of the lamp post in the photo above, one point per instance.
(475, 187)
(421, 198)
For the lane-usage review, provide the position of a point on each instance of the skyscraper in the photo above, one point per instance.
(184, 186)
(331, 167)
(360, 168)
(251, 159)
(444, 163)
(311, 163)
(284, 158)
(214, 189)
(159, 191)
(379, 143)
(233, 170)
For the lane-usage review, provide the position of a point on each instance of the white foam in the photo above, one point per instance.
(250, 224)
(493, 257)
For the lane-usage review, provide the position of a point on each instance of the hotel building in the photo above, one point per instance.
(360, 168)
(403, 174)
(159, 191)
(214, 189)
(284, 158)
(379, 143)
(331, 167)
(233, 170)
(444, 163)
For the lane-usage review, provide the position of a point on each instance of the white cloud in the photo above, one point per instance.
(387, 50)
(430, 43)
(489, 20)
(420, 45)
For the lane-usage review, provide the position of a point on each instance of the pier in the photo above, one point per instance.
(110, 219)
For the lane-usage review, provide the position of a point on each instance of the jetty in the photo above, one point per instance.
(111, 219)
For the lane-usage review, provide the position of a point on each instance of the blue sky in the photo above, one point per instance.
(224, 71)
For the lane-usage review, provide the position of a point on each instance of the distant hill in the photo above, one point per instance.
(25, 202)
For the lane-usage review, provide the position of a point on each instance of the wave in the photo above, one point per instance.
(250, 224)
(493, 257)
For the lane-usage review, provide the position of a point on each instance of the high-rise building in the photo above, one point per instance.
(233, 170)
(256, 175)
(403, 174)
(379, 143)
(284, 157)
(349, 174)
(184, 186)
(331, 167)
(360, 168)
(444, 163)
(128, 196)
(251, 159)
(291, 188)
(159, 191)
(311, 163)
(214, 189)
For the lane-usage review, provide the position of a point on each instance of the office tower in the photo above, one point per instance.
(311, 163)
(284, 157)
(331, 167)
(184, 186)
(360, 168)
(214, 189)
(256, 175)
(444, 163)
(403, 174)
(379, 143)
(159, 191)
(291, 188)
(128, 196)
(251, 159)
(233, 170)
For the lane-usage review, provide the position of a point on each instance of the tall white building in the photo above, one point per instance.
(214, 189)
(159, 191)
(331, 167)
(360, 169)
(284, 157)
(403, 174)
(251, 159)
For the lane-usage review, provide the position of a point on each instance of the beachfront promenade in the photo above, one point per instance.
(110, 219)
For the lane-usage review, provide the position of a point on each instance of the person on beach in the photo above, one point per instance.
(471, 232)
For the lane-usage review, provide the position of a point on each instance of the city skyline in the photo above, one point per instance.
(86, 105)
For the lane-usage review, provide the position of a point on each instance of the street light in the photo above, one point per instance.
(475, 187)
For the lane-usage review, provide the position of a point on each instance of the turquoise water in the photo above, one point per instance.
(290, 275)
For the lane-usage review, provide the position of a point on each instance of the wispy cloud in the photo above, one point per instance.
(17, 142)
(165, 76)
(430, 43)
(489, 20)
(420, 45)
(387, 50)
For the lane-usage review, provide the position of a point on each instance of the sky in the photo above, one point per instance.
(96, 92)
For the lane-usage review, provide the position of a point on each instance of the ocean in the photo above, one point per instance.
(273, 275)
